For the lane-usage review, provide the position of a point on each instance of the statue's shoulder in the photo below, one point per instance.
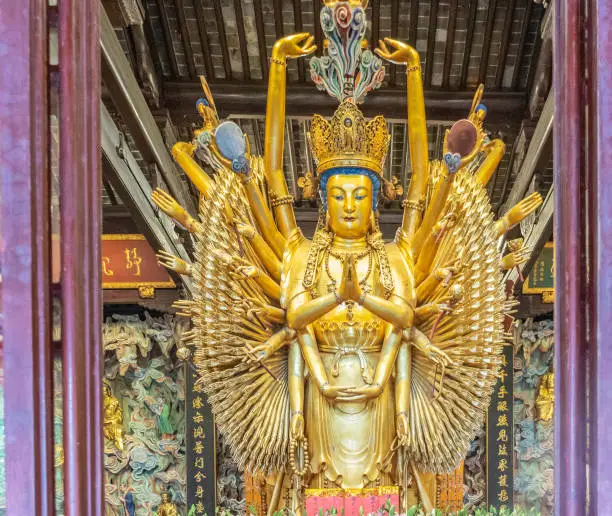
(401, 271)
(295, 257)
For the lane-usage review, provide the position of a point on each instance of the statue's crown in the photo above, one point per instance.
(348, 140)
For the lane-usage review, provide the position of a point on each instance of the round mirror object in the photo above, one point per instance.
(462, 138)
(229, 139)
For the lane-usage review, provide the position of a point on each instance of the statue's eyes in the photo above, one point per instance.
(360, 197)
(338, 197)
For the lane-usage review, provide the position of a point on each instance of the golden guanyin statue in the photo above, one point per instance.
(345, 361)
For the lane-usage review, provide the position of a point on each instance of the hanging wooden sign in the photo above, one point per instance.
(128, 262)
(541, 279)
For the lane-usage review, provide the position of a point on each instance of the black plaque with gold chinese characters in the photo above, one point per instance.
(201, 453)
(500, 450)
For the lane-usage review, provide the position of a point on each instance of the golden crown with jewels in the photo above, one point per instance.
(348, 140)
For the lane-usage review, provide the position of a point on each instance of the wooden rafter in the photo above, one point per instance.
(486, 44)
(182, 23)
(394, 33)
(521, 46)
(375, 21)
(316, 5)
(505, 42)
(163, 16)
(414, 22)
(278, 18)
(208, 66)
(431, 42)
(469, 37)
(227, 66)
(261, 38)
(450, 42)
(297, 16)
(246, 69)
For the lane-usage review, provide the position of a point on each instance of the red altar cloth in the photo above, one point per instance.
(321, 502)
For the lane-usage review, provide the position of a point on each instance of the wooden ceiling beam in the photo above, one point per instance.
(375, 22)
(414, 22)
(186, 40)
(244, 55)
(318, 34)
(227, 65)
(278, 18)
(204, 41)
(394, 33)
(450, 43)
(519, 52)
(486, 45)
(163, 16)
(431, 43)
(505, 43)
(505, 108)
(469, 39)
(127, 96)
(261, 38)
(297, 17)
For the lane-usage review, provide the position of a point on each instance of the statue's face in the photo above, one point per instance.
(349, 205)
(164, 498)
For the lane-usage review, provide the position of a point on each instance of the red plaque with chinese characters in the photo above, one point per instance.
(128, 261)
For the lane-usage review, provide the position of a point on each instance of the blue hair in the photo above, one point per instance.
(350, 171)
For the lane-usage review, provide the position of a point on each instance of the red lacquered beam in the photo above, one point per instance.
(571, 345)
(80, 185)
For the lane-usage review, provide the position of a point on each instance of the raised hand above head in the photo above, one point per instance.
(396, 51)
(295, 45)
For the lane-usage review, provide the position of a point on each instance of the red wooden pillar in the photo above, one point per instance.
(80, 185)
(25, 258)
(571, 326)
(599, 156)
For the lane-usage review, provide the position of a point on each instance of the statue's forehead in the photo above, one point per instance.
(349, 181)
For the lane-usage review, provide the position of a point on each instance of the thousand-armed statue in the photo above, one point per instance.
(345, 361)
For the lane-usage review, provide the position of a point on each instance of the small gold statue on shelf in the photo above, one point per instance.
(545, 402)
(113, 417)
(166, 507)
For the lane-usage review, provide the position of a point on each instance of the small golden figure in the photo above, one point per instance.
(113, 417)
(166, 507)
(545, 402)
(308, 184)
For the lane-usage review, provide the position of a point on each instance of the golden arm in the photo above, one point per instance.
(426, 256)
(517, 213)
(495, 152)
(403, 371)
(262, 249)
(303, 310)
(401, 53)
(296, 389)
(183, 152)
(264, 218)
(427, 286)
(173, 209)
(432, 214)
(400, 315)
(296, 45)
